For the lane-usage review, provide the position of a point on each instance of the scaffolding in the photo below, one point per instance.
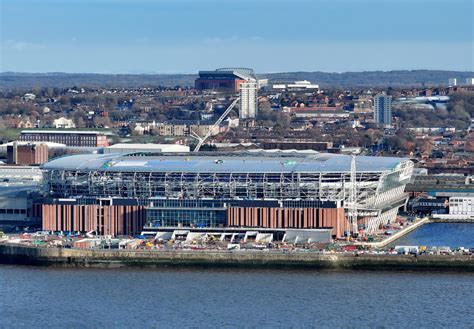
(366, 195)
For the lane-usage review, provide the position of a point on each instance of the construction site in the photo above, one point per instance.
(125, 194)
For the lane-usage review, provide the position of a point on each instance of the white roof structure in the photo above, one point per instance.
(129, 148)
(224, 163)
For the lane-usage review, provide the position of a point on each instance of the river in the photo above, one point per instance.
(440, 234)
(78, 298)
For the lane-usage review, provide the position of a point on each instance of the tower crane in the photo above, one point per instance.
(201, 140)
(352, 206)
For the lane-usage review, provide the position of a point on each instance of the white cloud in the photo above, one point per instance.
(231, 39)
(22, 45)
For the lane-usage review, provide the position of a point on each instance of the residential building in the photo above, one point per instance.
(172, 130)
(248, 100)
(452, 82)
(63, 123)
(383, 109)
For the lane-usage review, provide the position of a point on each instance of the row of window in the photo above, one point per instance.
(13, 211)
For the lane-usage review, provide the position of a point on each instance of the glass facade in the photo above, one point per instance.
(186, 213)
(393, 180)
(211, 213)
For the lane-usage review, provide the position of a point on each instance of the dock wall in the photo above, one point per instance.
(25, 255)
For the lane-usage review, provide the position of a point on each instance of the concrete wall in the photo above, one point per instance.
(14, 254)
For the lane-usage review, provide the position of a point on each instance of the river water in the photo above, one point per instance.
(83, 298)
(440, 234)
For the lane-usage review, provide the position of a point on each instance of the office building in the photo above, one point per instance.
(383, 109)
(79, 138)
(452, 82)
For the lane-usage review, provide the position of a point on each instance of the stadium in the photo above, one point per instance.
(224, 79)
(120, 194)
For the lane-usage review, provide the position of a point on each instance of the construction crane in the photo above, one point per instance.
(201, 140)
(352, 206)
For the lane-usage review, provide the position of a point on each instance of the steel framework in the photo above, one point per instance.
(371, 198)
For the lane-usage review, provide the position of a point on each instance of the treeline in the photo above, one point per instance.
(11, 80)
(401, 78)
(458, 113)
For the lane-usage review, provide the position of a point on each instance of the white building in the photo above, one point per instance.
(132, 148)
(297, 85)
(470, 82)
(29, 97)
(461, 206)
(452, 82)
(248, 100)
(63, 123)
(303, 84)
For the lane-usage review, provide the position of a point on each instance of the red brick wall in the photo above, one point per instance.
(32, 154)
(105, 220)
(289, 218)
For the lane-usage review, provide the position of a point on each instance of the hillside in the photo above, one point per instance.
(402, 78)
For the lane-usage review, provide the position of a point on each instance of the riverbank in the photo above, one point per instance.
(62, 257)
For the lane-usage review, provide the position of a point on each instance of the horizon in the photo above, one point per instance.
(258, 73)
(183, 37)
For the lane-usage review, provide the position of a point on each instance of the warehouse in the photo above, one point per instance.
(277, 190)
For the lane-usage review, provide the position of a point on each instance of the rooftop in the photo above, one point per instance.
(215, 162)
(86, 132)
(182, 148)
(243, 73)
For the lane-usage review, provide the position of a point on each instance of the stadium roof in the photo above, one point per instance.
(223, 163)
(242, 73)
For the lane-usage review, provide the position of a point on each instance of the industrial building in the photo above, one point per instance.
(27, 154)
(17, 205)
(218, 191)
(79, 138)
(225, 79)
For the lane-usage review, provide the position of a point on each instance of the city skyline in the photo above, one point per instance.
(184, 36)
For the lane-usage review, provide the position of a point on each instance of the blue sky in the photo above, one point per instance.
(183, 36)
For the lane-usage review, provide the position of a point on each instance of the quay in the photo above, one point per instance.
(64, 257)
(395, 236)
(452, 220)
